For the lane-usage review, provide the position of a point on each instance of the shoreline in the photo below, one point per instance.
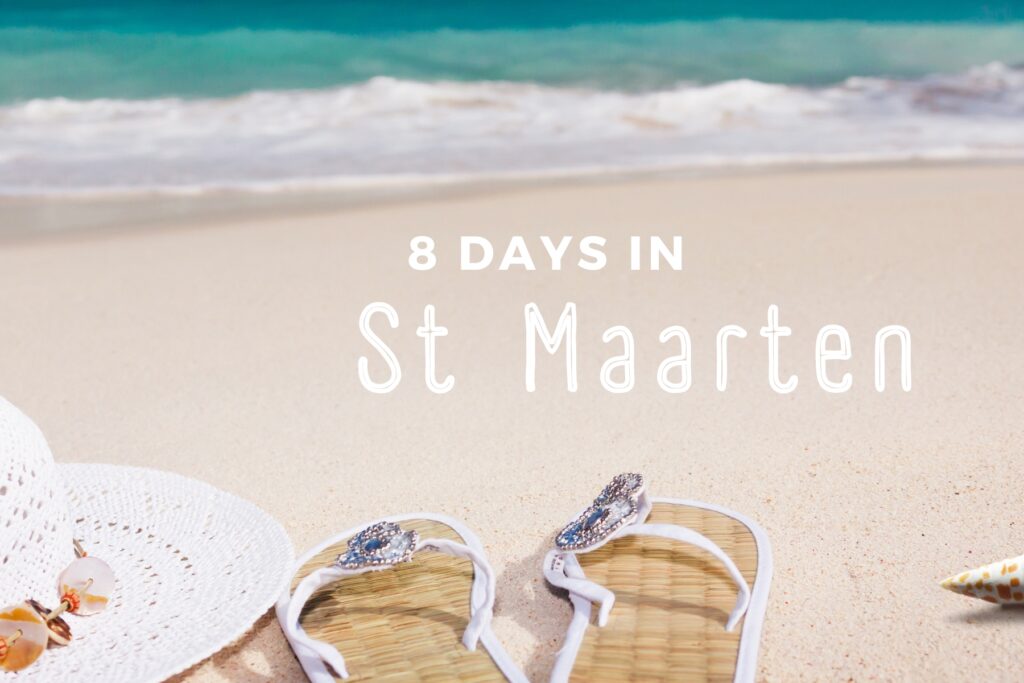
(30, 218)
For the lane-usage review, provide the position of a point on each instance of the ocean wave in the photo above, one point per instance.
(387, 131)
(187, 58)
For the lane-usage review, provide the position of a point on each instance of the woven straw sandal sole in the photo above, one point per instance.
(404, 624)
(672, 602)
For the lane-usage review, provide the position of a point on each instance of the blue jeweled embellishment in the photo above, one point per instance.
(593, 519)
(382, 544)
(626, 484)
(613, 508)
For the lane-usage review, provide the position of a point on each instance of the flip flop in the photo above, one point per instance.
(671, 580)
(378, 594)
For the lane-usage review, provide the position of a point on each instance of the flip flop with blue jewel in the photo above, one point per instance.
(671, 579)
(394, 597)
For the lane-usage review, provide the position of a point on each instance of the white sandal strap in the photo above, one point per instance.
(482, 614)
(556, 569)
(479, 622)
(620, 510)
(685, 535)
(564, 571)
(294, 631)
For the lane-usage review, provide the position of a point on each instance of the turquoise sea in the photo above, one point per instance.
(194, 96)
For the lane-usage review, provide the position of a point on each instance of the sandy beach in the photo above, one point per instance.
(226, 349)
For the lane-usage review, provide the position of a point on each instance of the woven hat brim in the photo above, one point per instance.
(195, 568)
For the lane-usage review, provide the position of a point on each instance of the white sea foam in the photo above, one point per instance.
(395, 132)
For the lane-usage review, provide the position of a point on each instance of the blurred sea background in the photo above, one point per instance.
(189, 97)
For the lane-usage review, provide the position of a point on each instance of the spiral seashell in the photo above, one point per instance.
(1001, 583)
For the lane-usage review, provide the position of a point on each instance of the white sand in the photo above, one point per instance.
(228, 352)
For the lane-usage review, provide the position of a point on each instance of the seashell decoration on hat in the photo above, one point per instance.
(192, 567)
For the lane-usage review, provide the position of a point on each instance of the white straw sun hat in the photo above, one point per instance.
(194, 567)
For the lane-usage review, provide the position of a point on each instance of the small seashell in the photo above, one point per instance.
(1001, 583)
(24, 648)
(60, 632)
(92, 580)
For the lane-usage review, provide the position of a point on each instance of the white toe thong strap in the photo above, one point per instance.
(480, 618)
(685, 535)
(563, 570)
